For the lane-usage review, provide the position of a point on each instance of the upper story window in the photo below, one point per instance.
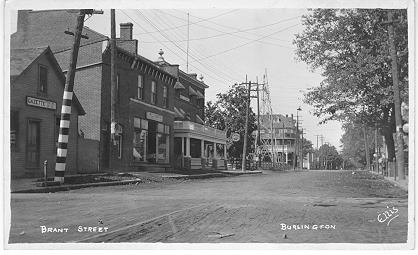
(153, 92)
(43, 79)
(165, 97)
(140, 93)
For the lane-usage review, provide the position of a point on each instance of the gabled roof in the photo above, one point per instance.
(196, 82)
(178, 85)
(21, 59)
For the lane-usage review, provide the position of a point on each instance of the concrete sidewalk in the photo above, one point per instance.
(403, 184)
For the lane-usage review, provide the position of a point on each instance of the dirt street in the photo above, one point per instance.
(275, 207)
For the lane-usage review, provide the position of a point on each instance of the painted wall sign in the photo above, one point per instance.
(41, 103)
(154, 116)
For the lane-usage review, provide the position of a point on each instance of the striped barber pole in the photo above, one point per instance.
(63, 136)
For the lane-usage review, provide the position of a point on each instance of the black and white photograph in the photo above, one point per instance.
(181, 124)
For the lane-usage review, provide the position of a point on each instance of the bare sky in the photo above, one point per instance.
(226, 45)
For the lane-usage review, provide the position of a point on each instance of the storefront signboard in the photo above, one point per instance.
(37, 102)
(154, 116)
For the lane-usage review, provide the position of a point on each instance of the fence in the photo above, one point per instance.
(236, 164)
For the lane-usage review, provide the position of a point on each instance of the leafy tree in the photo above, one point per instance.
(307, 147)
(329, 157)
(350, 48)
(228, 113)
(353, 149)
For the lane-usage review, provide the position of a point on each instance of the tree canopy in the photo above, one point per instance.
(228, 113)
(350, 48)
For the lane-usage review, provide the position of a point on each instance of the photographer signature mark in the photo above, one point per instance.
(388, 215)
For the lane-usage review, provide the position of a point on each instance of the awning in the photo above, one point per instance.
(178, 113)
(178, 85)
(199, 119)
(192, 92)
(182, 111)
(199, 94)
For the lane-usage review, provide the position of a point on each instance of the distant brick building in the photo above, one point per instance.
(36, 89)
(284, 138)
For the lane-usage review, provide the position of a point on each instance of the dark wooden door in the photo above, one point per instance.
(33, 144)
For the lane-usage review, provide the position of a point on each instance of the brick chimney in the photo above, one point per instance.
(126, 31)
(193, 75)
(125, 40)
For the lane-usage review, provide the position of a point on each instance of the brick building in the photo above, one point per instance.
(36, 89)
(195, 145)
(150, 95)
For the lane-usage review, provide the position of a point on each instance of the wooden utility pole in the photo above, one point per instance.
(396, 98)
(187, 51)
(317, 152)
(273, 158)
(301, 151)
(366, 148)
(296, 161)
(68, 97)
(113, 83)
(376, 150)
(296, 142)
(283, 143)
(247, 113)
(258, 124)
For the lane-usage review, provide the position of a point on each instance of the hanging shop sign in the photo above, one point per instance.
(154, 116)
(37, 102)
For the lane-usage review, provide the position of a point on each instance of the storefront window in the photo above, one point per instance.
(140, 145)
(139, 148)
(150, 141)
(162, 156)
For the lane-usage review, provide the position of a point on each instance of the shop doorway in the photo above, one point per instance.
(33, 144)
(151, 143)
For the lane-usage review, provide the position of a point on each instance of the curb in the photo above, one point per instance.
(196, 176)
(75, 186)
(125, 182)
(236, 173)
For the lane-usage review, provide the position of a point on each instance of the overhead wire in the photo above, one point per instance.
(175, 44)
(184, 25)
(244, 44)
(234, 28)
(222, 33)
(211, 66)
(165, 45)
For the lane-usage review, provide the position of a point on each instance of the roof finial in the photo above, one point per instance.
(201, 77)
(161, 53)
